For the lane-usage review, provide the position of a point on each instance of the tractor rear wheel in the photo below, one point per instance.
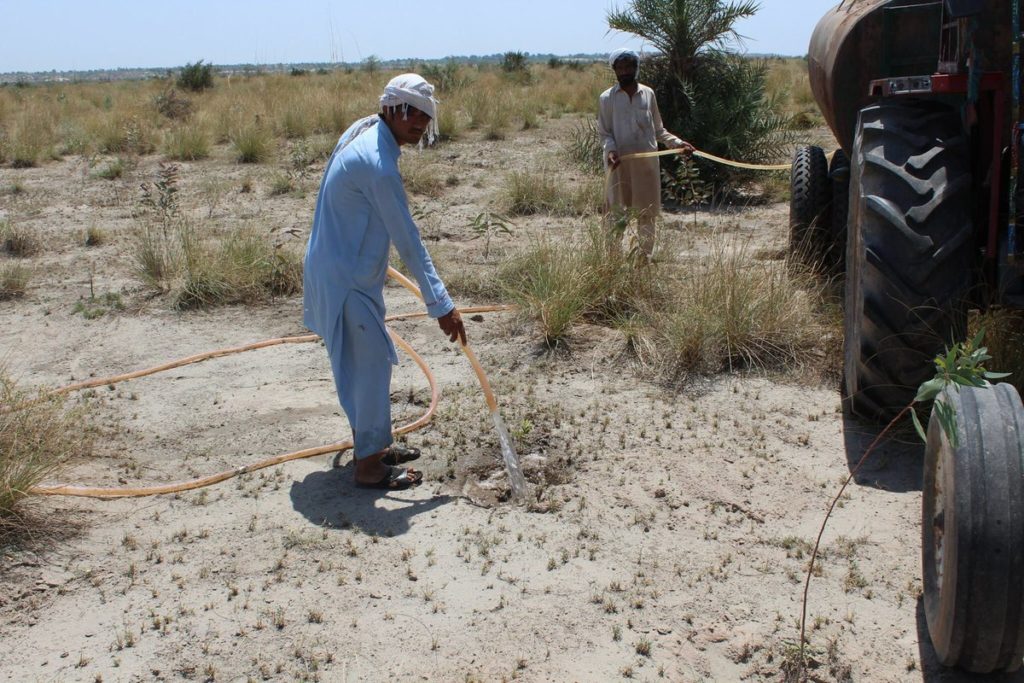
(972, 531)
(908, 250)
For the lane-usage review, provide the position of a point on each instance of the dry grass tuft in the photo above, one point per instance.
(545, 191)
(722, 310)
(243, 267)
(14, 278)
(17, 240)
(729, 311)
(38, 435)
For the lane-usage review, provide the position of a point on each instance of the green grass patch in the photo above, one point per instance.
(98, 306)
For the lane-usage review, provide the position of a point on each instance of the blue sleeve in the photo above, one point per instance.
(388, 197)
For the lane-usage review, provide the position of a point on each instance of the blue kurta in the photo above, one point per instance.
(361, 210)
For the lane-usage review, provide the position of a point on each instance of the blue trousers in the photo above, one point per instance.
(361, 362)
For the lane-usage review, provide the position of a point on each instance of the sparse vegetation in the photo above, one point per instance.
(187, 142)
(722, 310)
(39, 433)
(532, 192)
(584, 147)
(252, 144)
(14, 278)
(18, 240)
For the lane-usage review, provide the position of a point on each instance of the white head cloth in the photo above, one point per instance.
(616, 55)
(412, 90)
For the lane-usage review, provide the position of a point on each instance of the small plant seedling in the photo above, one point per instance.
(487, 224)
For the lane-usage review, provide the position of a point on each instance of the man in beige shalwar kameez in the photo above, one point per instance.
(628, 121)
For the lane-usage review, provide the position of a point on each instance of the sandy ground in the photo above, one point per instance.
(668, 540)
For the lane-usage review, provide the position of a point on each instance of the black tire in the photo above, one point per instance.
(972, 531)
(839, 174)
(908, 253)
(810, 191)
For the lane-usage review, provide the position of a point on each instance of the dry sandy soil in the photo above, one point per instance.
(669, 538)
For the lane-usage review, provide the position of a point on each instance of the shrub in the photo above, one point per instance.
(723, 310)
(311, 150)
(729, 311)
(295, 123)
(157, 255)
(589, 278)
(31, 139)
(447, 78)
(584, 146)
(38, 435)
(448, 124)
(97, 306)
(94, 236)
(196, 77)
(420, 176)
(281, 183)
(125, 134)
(514, 62)
(242, 268)
(252, 144)
(113, 170)
(18, 240)
(187, 143)
(532, 192)
(173, 105)
(14, 278)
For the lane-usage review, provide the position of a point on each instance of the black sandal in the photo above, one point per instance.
(399, 455)
(395, 479)
(395, 455)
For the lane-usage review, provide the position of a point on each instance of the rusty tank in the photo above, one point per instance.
(860, 41)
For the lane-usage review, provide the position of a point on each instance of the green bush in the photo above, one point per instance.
(514, 61)
(196, 77)
(113, 170)
(729, 311)
(586, 279)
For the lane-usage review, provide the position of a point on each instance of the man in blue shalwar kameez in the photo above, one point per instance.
(361, 210)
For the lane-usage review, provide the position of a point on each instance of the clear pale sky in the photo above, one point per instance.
(40, 35)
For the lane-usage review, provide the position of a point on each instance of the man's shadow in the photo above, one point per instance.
(331, 499)
(933, 672)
